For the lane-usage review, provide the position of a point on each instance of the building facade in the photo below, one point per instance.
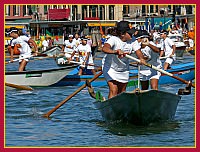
(58, 19)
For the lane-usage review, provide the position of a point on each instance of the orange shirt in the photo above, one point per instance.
(191, 35)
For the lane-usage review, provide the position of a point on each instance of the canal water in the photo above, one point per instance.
(78, 123)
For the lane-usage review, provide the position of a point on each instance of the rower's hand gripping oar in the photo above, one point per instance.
(70, 96)
(162, 71)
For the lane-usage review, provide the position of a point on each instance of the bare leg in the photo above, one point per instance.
(80, 71)
(145, 85)
(116, 88)
(166, 65)
(121, 87)
(22, 65)
(113, 89)
(154, 84)
(93, 71)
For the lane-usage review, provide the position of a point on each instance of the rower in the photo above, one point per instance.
(22, 47)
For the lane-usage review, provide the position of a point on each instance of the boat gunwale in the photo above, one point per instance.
(71, 66)
(132, 92)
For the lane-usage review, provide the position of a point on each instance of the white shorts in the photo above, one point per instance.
(170, 60)
(149, 74)
(67, 55)
(61, 61)
(89, 62)
(111, 74)
(191, 42)
(89, 67)
(24, 57)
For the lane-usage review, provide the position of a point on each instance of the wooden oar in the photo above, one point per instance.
(18, 59)
(70, 96)
(18, 86)
(164, 57)
(162, 71)
(14, 56)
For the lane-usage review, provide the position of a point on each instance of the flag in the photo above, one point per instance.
(48, 34)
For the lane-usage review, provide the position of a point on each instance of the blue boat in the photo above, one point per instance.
(185, 71)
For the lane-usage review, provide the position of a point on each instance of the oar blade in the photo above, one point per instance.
(20, 87)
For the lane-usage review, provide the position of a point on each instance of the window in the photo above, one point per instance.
(84, 10)
(111, 12)
(102, 14)
(45, 9)
(143, 9)
(169, 8)
(125, 9)
(33, 7)
(156, 8)
(14, 10)
(151, 8)
(7, 9)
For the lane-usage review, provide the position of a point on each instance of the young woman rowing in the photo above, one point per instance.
(115, 65)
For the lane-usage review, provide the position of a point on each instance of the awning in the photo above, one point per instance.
(102, 24)
(58, 14)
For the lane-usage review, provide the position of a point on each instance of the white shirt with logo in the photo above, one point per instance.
(83, 50)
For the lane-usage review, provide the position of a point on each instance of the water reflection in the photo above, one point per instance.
(125, 129)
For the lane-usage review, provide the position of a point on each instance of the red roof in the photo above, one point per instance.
(58, 14)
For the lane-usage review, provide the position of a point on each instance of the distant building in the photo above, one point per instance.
(59, 20)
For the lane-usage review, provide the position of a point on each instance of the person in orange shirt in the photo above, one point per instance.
(191, 34)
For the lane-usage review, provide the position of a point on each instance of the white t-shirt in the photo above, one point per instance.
(77, 41)
(115, 68)
(45, 43)
(153, 57)
(24, 49)
(83, 50)
(67, 43)
(166, 45)
(25, 38)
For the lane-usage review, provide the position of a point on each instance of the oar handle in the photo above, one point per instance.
(162, 71)
(164, 57)
(81, 63)
(70, 96)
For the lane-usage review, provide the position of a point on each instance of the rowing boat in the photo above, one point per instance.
(38, 78)
(53, 51)
(139, 107)
(178, 41)
(185, 71)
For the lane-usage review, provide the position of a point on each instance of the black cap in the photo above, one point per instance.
(84, 38)
(131, 31)
(12, 29)
(163, 32)
(123, 26)
(142, 34)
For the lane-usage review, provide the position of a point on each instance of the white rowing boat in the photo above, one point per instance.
(38, 78)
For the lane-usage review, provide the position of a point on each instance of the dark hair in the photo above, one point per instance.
(112, 31)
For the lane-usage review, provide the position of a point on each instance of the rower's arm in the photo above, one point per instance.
(34, 44)
(174, 49)
(107, 49)
(161, 53)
